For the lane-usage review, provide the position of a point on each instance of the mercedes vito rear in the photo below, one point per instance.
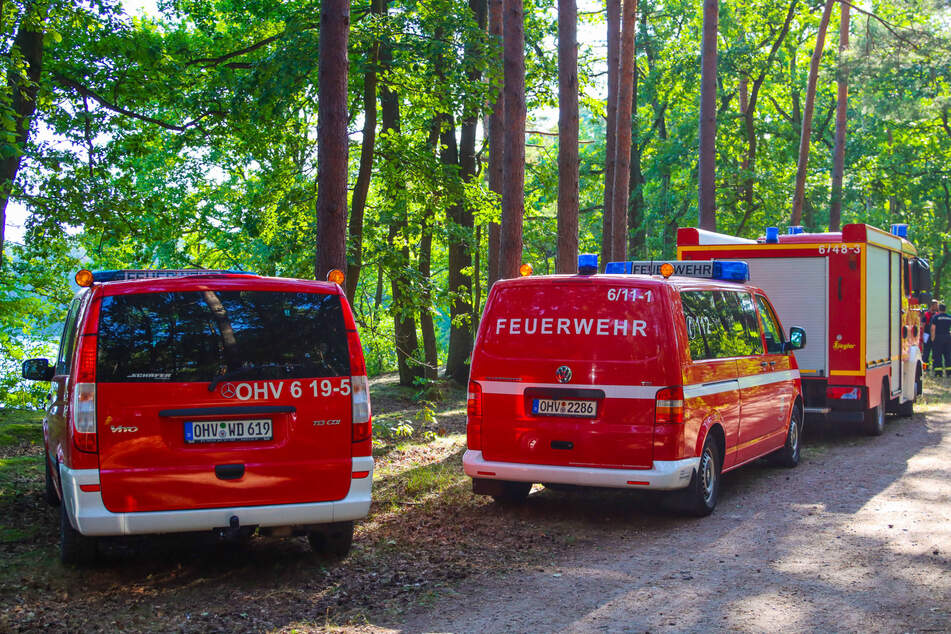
(192, 401)
(656, 382)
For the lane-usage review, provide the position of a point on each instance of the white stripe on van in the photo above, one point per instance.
(756, 380)
(706, 389)
(610, 391)
(645, 392)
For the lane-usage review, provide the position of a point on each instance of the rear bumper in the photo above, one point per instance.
(665, 476)
(89, 516)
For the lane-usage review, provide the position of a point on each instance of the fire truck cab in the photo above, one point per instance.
(858, 293)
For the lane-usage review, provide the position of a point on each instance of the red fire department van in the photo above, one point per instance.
(202, 400)
(630, 380)
(858, 293)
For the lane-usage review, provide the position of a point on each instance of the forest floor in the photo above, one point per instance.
(858, 537)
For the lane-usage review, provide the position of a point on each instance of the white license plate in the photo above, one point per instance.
(228, 430)
(564, 407)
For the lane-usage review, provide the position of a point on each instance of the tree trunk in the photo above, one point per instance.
(426, 324)
(707, 197)
(567, 259)
(841, 114)
(401, 302)
(29, 42)
(362, 186)
(748, 101)
(610, 131)
(460, 258)
(806, 135)
(496, 149)
(637, 238)
(332, 145)
(513, 184)
(622, 153)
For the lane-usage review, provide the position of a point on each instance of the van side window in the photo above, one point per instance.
(771, 332)
(68, 339)
(716, 326)
(747, 315)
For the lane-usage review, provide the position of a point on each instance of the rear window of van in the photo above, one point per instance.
(195, 336)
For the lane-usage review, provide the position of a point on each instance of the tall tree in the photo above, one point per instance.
(841, 120)
(496, 136)
(566, 261)
(622, 151)
(362, 187)
(513, 176)
(707, 194)
(749, 98)
(460, 248)
(23, 82)
(805, 136)
(613, 23)
(401, 301)
(332, 143)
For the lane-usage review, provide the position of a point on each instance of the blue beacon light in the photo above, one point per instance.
(731, 270)
(900, 230)
(772, 235)
(795, 230)
(587, 263)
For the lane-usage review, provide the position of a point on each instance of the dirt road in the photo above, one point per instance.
(857, 538)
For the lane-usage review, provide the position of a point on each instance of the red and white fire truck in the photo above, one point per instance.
(858, 293)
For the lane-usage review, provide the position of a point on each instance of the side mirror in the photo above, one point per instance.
(924, 298)
(797, 338)
(38, 370)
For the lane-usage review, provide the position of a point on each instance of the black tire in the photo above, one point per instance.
(788, 456)
(332, 540)
(75, 549)
(49, 495)
(700, 496)
(875, 417)
(513, 493)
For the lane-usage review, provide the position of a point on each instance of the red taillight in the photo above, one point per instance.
(361, 421)
(844, 393)
(86, 372)
(669, 406)
(84, 396)
(357, 365)
(474, 421)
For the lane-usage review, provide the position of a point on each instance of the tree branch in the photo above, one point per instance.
(66, 82)
(890, 28)
(205, 62)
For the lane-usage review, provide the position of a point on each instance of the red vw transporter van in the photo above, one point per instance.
(633, 380)
(201, 400)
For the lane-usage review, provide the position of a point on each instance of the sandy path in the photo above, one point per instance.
(857, 538)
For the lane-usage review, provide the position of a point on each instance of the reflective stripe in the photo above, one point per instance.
(645, 392)
(706, 389)
(768, 378)
(610, 391)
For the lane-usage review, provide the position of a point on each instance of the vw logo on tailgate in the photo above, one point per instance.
(563, 374)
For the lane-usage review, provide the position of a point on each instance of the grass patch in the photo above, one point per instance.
(20, 475)
(19, 426)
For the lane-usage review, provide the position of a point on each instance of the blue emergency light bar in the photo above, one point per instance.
(900, 230)
(726, 270)
(587, 263)
(147, 274)
(795, 230)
